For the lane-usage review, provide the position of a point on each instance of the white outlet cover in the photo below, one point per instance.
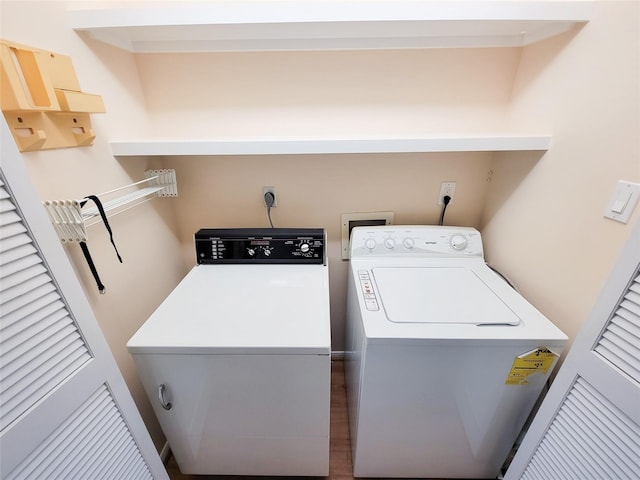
(446, 187)
(623, 201)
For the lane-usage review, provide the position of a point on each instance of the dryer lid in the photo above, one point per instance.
(440, 295)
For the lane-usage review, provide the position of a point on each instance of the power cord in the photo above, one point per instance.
(503, 277)
(445, 201)
(269, 200)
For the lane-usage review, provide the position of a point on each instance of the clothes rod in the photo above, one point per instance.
(71, 220)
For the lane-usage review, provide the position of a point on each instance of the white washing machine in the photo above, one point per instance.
(236, 360)
(444, 360)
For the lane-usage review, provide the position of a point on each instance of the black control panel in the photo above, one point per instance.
(260, 245)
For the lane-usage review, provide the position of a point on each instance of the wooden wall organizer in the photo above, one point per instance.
(41, 99)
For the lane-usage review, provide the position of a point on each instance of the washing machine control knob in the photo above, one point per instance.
(370, 243)
(251, 252)
(408, 243)
(390, 243)
(267, 252)
(458, 241)
(304, 247)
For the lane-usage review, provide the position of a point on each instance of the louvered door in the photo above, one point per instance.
(65, 412)
(40, 344)
(620, 341)
(588, 427)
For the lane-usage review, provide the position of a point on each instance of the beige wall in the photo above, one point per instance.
(316, 94)
(541, 216)
(312, 191)
(543, 222)
(311, 94)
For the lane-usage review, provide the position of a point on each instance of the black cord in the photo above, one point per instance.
(269, 216)
(445, 201)
(503, 277)
(269, 200)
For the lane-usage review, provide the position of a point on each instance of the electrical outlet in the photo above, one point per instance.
(266, 190)
(446, 188)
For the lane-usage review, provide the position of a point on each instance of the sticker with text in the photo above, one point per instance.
(539, 360)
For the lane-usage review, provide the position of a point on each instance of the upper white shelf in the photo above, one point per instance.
(194, 147)
(242, 25)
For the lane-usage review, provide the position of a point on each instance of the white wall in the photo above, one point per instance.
(544, 223)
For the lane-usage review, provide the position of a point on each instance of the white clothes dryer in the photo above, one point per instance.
(236, 361)
(444, 360)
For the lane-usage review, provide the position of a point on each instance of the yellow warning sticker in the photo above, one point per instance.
(539, 360)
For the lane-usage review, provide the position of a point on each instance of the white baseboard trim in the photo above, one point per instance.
(165, 451)
(337, 355)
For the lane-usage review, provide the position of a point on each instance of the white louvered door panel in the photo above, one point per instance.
(95, 432)
(65, 412)
(604, 444)
(588, 427)
(40, 344)
(620, 342)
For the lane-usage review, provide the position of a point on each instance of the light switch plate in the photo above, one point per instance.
(623, 201)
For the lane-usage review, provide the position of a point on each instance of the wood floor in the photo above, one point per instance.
(339, 445)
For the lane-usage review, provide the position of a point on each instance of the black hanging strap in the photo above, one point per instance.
(98, 203)
(92, 267)
(85, 248)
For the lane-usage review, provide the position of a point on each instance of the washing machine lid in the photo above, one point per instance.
(242, 309)
(439, 295)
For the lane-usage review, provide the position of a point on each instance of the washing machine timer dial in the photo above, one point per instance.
(458, 241)
(409, 243)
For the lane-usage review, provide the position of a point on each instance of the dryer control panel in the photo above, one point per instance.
(260, 245)
(414, 240)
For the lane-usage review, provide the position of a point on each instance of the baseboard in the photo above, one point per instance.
(165, 452)
(337, 355)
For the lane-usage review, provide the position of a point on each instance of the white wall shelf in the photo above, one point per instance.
(245, 25)
(194, 147)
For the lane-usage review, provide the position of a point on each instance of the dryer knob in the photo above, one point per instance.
(304, 247)
(458, 241)
(390, 243)
(370, 243)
